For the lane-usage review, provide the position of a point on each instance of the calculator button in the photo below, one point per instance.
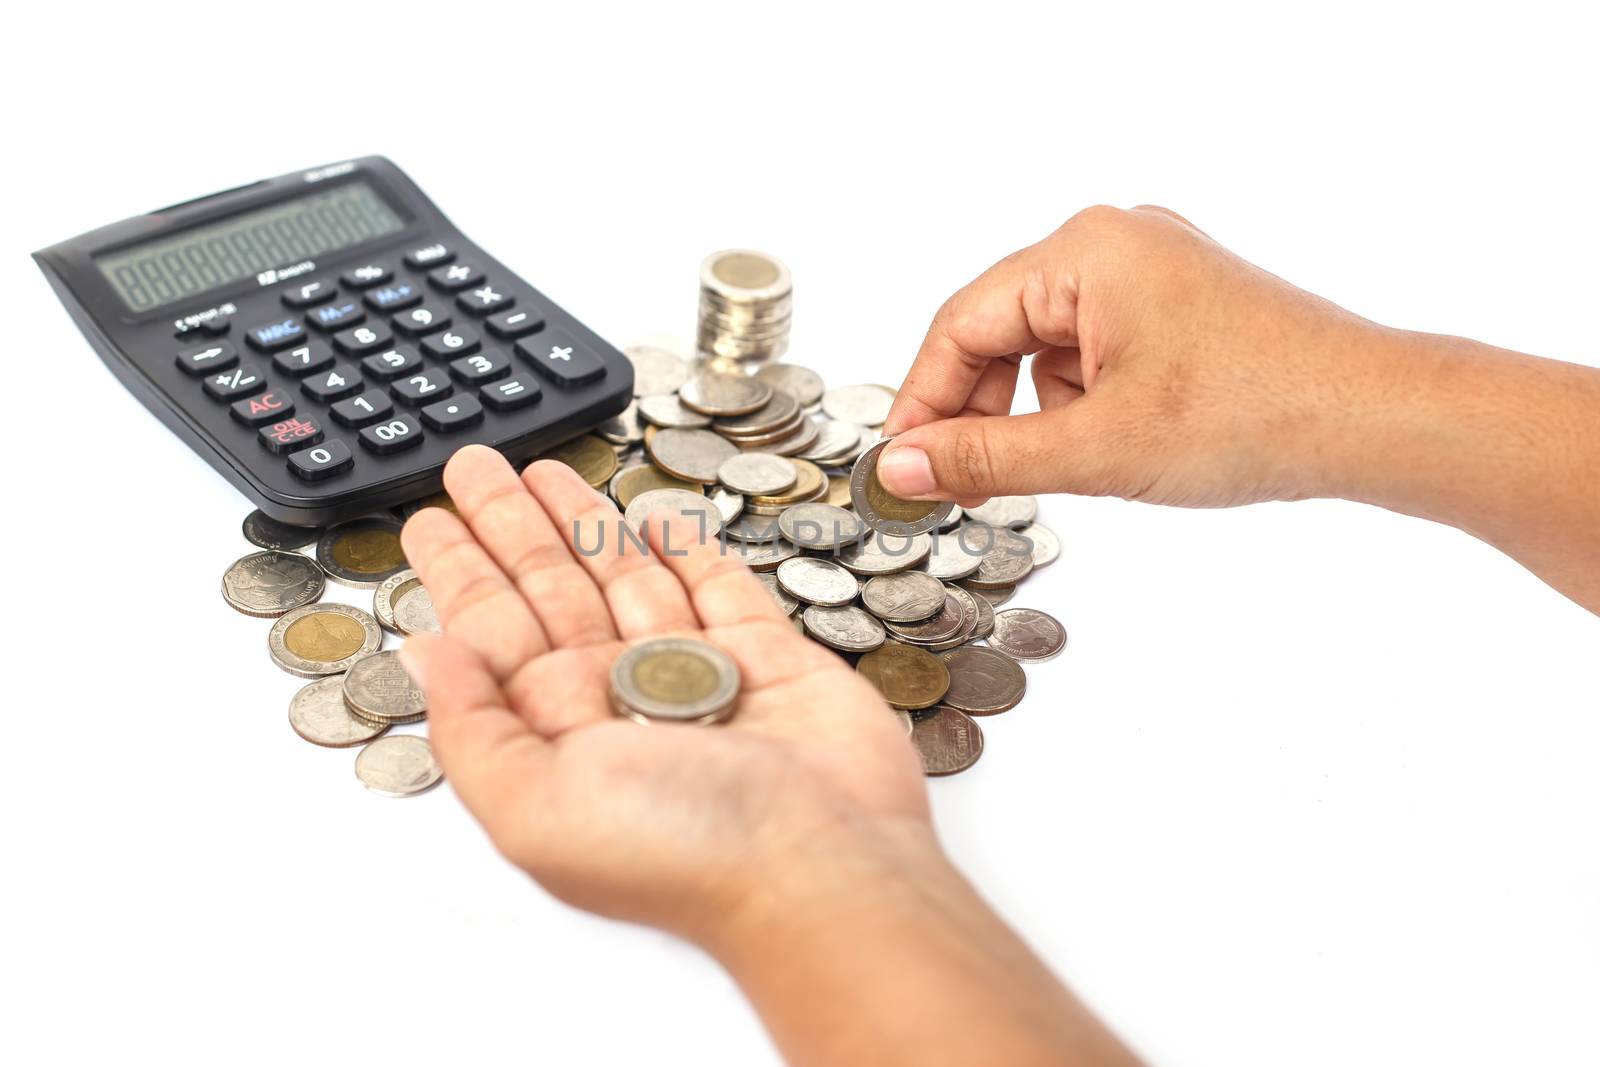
(394, 297)
(457, 413)
(511, 394)
(216, 326)
(480, 367)
(287, 435)
(303, 359)
(451, 343)
(362, 410)
(561, 359)
(510, 325)
(324, 461)
(422, 319)
(420, 389)
(310, 294)
(366, 276)
(392, 364)
(362, 339)
(396, 435)
(276, 335)
(273, 405)
(338, 316)
(454, 277)
(434, 255)
(335, 383)
(484, 300)
(230, 385)
(203, 359)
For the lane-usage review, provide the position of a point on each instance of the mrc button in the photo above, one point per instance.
(272, 336)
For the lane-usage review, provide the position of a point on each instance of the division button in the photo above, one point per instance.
(310, 294)
(286, 435)
(511, 394)
(274, 405)
(203, 359)
(456, 413)
(394, 435)
(510, 325)
(275, 335)
(230, 385)
(324, 461)
(561, 359)
(304, 359)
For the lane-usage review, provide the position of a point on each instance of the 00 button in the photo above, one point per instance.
(395, 435)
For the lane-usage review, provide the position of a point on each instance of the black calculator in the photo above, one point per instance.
(327, 339)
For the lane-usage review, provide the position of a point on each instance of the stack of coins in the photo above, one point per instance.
(746, 302)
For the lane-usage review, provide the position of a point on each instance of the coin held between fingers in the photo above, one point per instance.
(906, 471)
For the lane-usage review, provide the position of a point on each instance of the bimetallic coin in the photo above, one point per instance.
(1046, 545)
(694, 455)
(706, 519)
(820, 526)
(1012, 511)
(802, 383)
(838, 491)
(713, 393)
(846, 629)
(907, 676)
(1028, 635)
(951, 557)
(365, 552)
(593, 459)
(885, 554)
(400, 765)
(1005, 563)
(268, 584)
(983, 681)
(762, 557)
(318, 713)
(625, 428)
(786, 603)
(667, 412)
(884, 511)
(629, 482)
(403, 606)
(864, 405)
(757, 473)
(948, 741)
(655, 370)
(323, 639)
(904, 597)
(952, 626)
(816, 581)
(263, 531)
(378, 689)
(674, 679)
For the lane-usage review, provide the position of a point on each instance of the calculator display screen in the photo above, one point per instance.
(195, 261)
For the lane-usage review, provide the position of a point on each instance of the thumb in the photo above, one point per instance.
(999, 455)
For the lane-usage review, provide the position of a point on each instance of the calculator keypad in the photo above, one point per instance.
(230, 385)
(484, 300)
(420, 389)
(362, 410)
(332, 317)
(510, 325)
(366, 276)
(391, 363)
(562, 360)
(324, 461)
(362, 339)
(480, 367)
(270, 406)
(204, 359)
(289, 434)
(271, 336)
(304, 359)
(335, 383)
(396, 297)
(449, 344)
(455, 277)
(511, 394)
(310, 294)
(420, 320)
(395, 435)
(456, 413)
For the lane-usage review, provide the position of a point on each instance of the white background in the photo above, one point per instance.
(1313, 784)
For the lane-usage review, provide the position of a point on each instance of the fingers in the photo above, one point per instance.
(515, 530)
(643, 596)
(975, 457)
(722, 589)
(1057, 377)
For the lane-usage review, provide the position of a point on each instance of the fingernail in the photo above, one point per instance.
(906, 472)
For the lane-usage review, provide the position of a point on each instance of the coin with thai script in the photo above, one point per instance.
(1012, 511)
(714, 393)
(762, 557)
(319, 714)
(820, 526)
(400, 765)
(881, 509)
(674, 679)
(705, 519)
(629, 482)
(1005, 563)
(757, 473)
(364, 552)
(378, 689)
(694, 455)
(263, 531)
(268, 584)
(903, 597)
(1026, 634)
(816, 581)
(878, 553)
(848, 629)
(802, 383)
(1046, 545)
(907, 676)
(952, 626)
(323, 639)
(983, 681)
(951, 556)
(948, 741)
(402, 605)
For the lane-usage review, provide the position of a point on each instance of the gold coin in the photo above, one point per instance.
(368, 550)
(675, 677)
(632, 481)
(839, 490)
(809, 482)
(324, 637)
(907, 677)
(593, 459)
(745, 271)
(892, 507)
(437, 500)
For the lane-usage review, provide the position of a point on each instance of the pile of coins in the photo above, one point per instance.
(746, 302)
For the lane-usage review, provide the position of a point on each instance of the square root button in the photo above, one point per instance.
(561, 359)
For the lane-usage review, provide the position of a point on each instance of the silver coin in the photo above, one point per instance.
(414, 613)
(693, 455)
(729, 505)
(404, 589)
(882, 510)
(707, 518)
(667, 412)
(864, 405)
(624, 428)
(757, 473)
(263, 531)
(400, 765)
(782, 410)
(674, 679)
(985, 625)
(1012, 511)
(1026, 634)
(715, 393)
(837, 443)
(950, 627)
(983, 681)
(803, 437)
(1006, 562)
(802, 383)
(950, 557)
(878, 553)
(1046, 545)
(816, 581)
(948, 741)
(993, 597)
(755, 529)
(762, 557)
(655, 370)
(848, 629)
(378, 689)
(786, 603)
(267, 584)
(905, 597)
(820, 526)
(362, 553)
(321, 639)
(319, 714)
(952, 520)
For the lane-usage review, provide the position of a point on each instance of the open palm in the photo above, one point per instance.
(667, 824)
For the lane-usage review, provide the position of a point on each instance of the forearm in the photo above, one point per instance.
(1502, 445)
(887, 956)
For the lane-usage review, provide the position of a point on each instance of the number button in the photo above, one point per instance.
(288, 435)
(454, 277)
(422, 319)
(510, 325)
(396, 435)
(203, 359)
(561, 359)
(457, 413)
(362, 410)
(396, 297)
(392, 364)
(451, 343)
(420, 389)
(362, 339)
(306, 359)
(337, 316)
(511, 394)
(367, 275)
(310, 294)
(324, 461)
(275, 335)
(230, 385)
(484, 300)
(434, 255)
(336, 383)
(271, 406)
(480, 367)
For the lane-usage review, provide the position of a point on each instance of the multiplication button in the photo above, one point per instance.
(484, 300)
(323, 461)
(394, 435)
(204, 359)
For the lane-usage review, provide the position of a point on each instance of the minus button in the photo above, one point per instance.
(510, 325)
